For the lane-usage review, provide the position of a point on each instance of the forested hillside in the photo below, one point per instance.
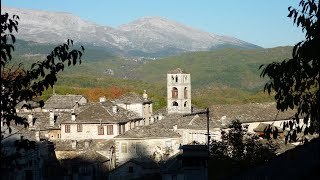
(218, 77)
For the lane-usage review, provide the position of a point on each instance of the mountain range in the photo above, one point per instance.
(144, 37)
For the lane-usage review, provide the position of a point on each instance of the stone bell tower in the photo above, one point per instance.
(178, 92)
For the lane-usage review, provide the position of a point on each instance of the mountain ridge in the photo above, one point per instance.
(151, 36)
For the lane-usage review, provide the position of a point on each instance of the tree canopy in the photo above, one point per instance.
(296, 81)
(240, 150)
(21, 84)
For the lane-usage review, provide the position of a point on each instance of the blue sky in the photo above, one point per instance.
(263, 23)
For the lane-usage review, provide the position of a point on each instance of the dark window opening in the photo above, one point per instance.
(175, 104)
(110, 130)
(176, 79)
(67, 128)
(130, 169)
(79, 127)
(100, 130)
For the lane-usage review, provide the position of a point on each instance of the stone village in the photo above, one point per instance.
(124, 138)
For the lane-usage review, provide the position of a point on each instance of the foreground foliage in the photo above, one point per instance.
(296, 81)
(239, 150)
(22, 84)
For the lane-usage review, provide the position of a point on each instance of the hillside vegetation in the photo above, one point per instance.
(232, 68)
(218, 77)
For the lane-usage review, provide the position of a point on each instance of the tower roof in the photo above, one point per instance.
(177, 71)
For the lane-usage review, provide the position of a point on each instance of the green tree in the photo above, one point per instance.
(239, 150)
(20, 84)
(296, 81)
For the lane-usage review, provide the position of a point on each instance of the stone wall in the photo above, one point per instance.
(155, 149)
(89, 131)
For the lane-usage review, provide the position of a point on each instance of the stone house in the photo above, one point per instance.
(190, 163)
(102, 120)
(138, 104)
(136, 169)
(64, 103)
(146, 143)
(84, 159)
(29, 106)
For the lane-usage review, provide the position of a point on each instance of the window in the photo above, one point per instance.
(124, 148)
(174, 177)
(67, 128)
(140, 149)
(168, 144)
(185, 93)
(185, 104)
(174, 92)
(176, 78)
(100, 130)
(79, 127)
(175, 103)
(123, 128)
(130, 168)
(109, 129)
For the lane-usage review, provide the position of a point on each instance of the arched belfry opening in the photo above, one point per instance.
(174, 93)
(174, 103)
(185, 93)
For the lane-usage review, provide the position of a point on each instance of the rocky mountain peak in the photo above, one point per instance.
(151, 36)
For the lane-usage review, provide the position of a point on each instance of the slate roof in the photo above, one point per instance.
(94, 144)
(86, 158)
(131, 97)
(177, 71)
(89, 157)
(31, 104)
(42, 119)
(102, 112)
(252, 112)
(149, 132)
(263, 126)
(62, 101)
(144, 163)
(188, 122)
(164, 128)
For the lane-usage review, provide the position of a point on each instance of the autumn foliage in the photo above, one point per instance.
(112, 92)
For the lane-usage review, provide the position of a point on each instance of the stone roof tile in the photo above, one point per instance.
(62, 101)
(177, 71)
(103, 112)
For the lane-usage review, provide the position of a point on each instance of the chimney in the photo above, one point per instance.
(86, 145)
(30, 120)
(114, 109)
(77, 104)
(160, 117)
(51, 118)
(145, 95)
(102, 99)
(73, 116)
(175, 128)
(74, 144)
(37, 135)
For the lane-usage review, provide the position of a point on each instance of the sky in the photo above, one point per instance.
(261, 22)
